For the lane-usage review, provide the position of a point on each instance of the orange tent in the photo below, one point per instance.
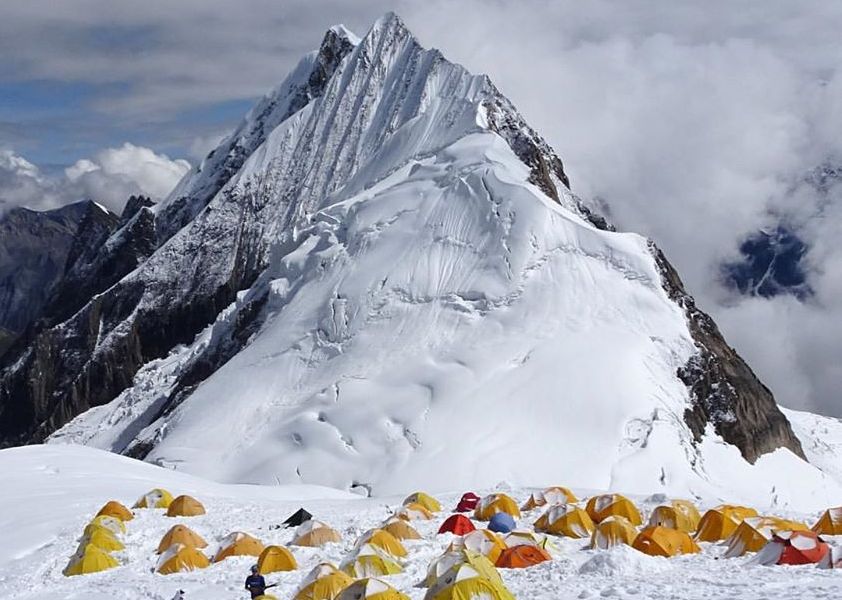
(678, 514)
(523, 556)
(755, 532)
(238, 544)
(457, 524)
(114, 509)
(612, 505)
(185, 506)
(830, 522)
(793, 548)
(720, 522)
(178, 558)
(181, 534)
(663, 541)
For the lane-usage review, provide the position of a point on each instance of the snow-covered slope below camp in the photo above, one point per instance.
(50, 493)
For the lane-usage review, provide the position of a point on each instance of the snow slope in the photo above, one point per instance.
(51, 492)
(428, 315)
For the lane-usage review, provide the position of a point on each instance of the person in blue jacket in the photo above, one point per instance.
(255, 583)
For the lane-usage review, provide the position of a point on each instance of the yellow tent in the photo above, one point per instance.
(89, 559)
(314, 533)
(552, 495)
(274, 559)
(755, 532)
(425, 500)
(413, 512)
(102, 538)
(524, 538)
(613, 505)
(679, 514)
(185, 506)
(371, 589)
(238, 544)
(613, 531)
(112, 524)
(157, 498)
(383, 540)
(400, 529)
(181, 534)
(370, 561)
(112, 508)
(663, 541)
(324, 582)
(179, 558)
(448, 560)
(463, 582)
(830, 522)
(495, 503)
(720, 522)
(481, 541)
(565, 519)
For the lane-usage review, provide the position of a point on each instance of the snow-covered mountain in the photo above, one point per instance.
(381, 279)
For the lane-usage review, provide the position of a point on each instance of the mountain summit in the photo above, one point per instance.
(382, 279)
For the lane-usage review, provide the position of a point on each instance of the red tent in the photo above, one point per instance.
(793, 548)
(468, 502)
(457, 524)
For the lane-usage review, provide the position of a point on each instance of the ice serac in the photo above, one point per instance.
(392, 286)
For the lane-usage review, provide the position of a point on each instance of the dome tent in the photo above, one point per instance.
(793, 548)
(401, 529)
(179, 558)
(185, 506)
(371, 589)
(89, 559)
(613, 531)
(425, 500)
(520, 557)
(323, 582)
(755, 532)
(501, 523)
(274, 559)
(663, 541)
(115, 509)
(457, 524)
(314, 533)
(720, 522)
(156, 498)
(612, 505)
(238, 544)
(565, 519)
(494, 503)
(181, 534)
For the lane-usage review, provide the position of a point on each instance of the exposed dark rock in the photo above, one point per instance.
(724, 391)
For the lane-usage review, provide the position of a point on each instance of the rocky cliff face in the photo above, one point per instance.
(230, 244)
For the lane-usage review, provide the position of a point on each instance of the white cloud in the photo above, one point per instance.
(109, 178)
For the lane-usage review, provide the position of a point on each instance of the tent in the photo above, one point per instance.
(400, 529)
(552, 495)
(678, 514)
(314, 533)
(274, 559)
(501, 523)
(181, 534)
(830, 523)
(323, 582)
(442, 564)
(663, 541)
(612, 505)
(457, 524)
(720, 522)
(480, 541)
(112, 508)
(613, 531)
(495, 503)
(370, 561)
(521, 557)
(413, 512)
(463, 582)
(157, 498)
(238, 544)
(755, 532)
(383, 540)
(112, 524)
(179, 558)
(102, 538)
(425, 500)
(371, 589)
(297, 518)
(468, 502)
(185, 506)
(521, 538)
(89, 559)
(793, 548)
(565, 519)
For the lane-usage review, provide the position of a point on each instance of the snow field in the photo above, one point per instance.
(53, 491)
